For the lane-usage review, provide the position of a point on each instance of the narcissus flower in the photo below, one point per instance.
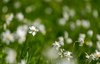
(61, 53)
(81, 41)
(97, 54)
(61, 41)
(90, 57)
(68, 55)
(56, 45)
(33, 30)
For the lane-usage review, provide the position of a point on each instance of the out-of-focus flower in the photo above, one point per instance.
(48, 10)
(20, 16)
(20, 35)
(86, 24)
(5, 25)
(42, 29)
(69, 40)
(62, 21)
(89, 43)
(4, 9)
(78, 22)
(98, 44)
(61, 53)
(98, 36)
(30, 8)
(65, 15)
(88, 7)
(56, 45)
(33, 30)
(22, 62)
(81, 41)
(37, 22)
(17, 4)
(72, 26)
(82, 36)
(97, 63)
(9, 18)
(5, 1)
(7, 37)
(61, 40)
(68, 55)
(95, 13)
(90, 33)
(11, 56)
(72, 12)
(97, 54)
(66, 34)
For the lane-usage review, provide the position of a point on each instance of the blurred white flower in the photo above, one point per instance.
(66, 34)
(37, 22)
(30, 8)
(56, 45)
(65, 8)
(98, 44)
(23, 28)
(62, 21)
(69, 40)
(88, 7)
(19, 16)
(9, 18)
(5, 1)
(17, 4)
(81, 41)
(61, 40)
(72, 12)
(89, 43)
(20, 35)
(98, 36)
(72, 26)
(68, 55)
(65, 15)
(4, 9)
(86, 24)
(42, 29)
(48, 10)
(33, 30)
(22, 62)
(5, 25)
(95, 13)
(78, 22)
(11, 56)
(61, 53)
(97, 54)
(90, 33)
(82, 36)
(7, 37)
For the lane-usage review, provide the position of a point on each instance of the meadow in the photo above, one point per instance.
(49, 32)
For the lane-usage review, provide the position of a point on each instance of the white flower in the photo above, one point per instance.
(98, 36)
(65, 15)
(62, 21)
(61, 53)
(69, 40)
(81, 41)
(68, 55)
(97, 54)
(7, 37)
(89, 43)
(95, 13)
(42, 29)
(33, 30)
(48, 10)
(20, 35)
(72, 26)
(91, 57)
(66, 34)
(88, 7)
(72, 12)
(86, 24)
(4, 9)
(11, 56)
(61, 41)
(90, 33)
(78, 22)
(17, 4)
(82, 36)
(9, 18)
(20, 16)
(98, 45)
(56, 45)
(23, 61)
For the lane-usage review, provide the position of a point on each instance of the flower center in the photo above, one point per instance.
(62, 40)
(83, 42)
(98, 55)
(34, 30)
(57, 45)
(92, 56)
(68, 55)
(8, 37)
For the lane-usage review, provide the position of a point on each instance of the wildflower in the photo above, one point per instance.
(20, 35)
(82, 36)
(68, 55)
(98, 36)
(11, 56)
(89, 43)
(42, 29)
(90, 57)
(69, 40)
(17, 4)
(90, 33)
(72, 12)
(65, 16)
(86, 24)
(20, 16)
(56, 45)
(97, 54)
(98, 45)
(61, 41)
(7, 37)
(95, 13)
(33, 30)
(72, 26)
(66, 34)
(48, 10)
(23, 61)
(62, 21)
(9, 18)
(81, 41)
(78, 22)
(61, 53)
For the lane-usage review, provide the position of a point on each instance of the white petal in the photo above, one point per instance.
(33, 33)
(30, 31)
